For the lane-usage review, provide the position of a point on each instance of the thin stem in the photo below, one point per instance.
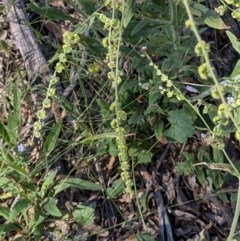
(174, 17)
(236, 215)
(206, 58)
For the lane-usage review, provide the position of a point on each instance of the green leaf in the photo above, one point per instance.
(136, 119)
(202, 238)
(217, 155)
(104, 109)
(144, 236)
(234, 41)
(117, 188)
(51, 207)
(158, 129)
(49, 12)
(20, 207)
(78, 183)
(112, 149)
(10, 159)
(4, 133)
(51, 139)
(9, 187)
(36, 223)
(215, 21)
(144, 157)
(17, 104)
(12, 126)
(154, 95)
(92, 44)
(145, 27)
(236, 70)
(181, 126)
(236, 114)
(47, 182)
(221, 167)
(84, 215)
(87, 6)
(4, 212)
(128, 12)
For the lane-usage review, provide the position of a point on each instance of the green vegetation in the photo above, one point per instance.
(146, 99)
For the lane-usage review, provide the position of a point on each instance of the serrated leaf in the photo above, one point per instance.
(47, 182)
(234, 41)
(116, 189)
(51, 207)
(78, 183)
(181, 126)
(144, 157)
(49, 12)
(51, 139)
(84, 215)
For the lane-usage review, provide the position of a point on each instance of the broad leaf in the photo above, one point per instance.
(144, 236)
(84, 215)
(181, 126)
(234, 41)
(116, 189)
(158, 129)
(20, 208)
(47, 182)
(215, 21)
(144, 157)
(51, 207)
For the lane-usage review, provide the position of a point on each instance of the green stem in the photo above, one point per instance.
(174, 23)
(206, 58)
(236, 215)
(210, 69)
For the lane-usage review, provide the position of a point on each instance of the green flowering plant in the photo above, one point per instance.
(232, 5)
(112, 42)
(69, 40)
(226, 119)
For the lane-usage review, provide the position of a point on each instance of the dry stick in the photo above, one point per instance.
(25, 41)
